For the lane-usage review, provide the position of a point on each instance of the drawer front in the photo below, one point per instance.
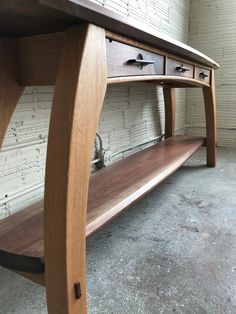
(202, 74)
(125, 60)
(179, 68)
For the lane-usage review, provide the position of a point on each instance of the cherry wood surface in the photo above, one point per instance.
(118, 55)
(46, 242)
(117, 186)
(110, 191)
(170, 110)
(78, 99)
(22, 232)
(209, 95)
(173, 65)
(163, 80)
(10, 89)
(39, 57)
(202, 74)
(30, 17)
(27, 17)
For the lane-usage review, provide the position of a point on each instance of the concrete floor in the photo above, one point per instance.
(172, 252)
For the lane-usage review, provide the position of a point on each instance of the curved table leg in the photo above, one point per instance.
(170, 110)
(10, 93)
(210, 113)
(79, 94)
(10, 90)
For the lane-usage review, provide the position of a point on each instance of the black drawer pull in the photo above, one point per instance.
(140, 61)
(182, 69)
(203, 75)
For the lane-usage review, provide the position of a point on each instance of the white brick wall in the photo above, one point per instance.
(132, 114)
(212, 30)
(22, 159)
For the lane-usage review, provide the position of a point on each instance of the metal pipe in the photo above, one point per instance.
(95, 161)
(134, 146)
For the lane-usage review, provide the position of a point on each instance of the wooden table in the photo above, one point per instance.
(81, 48)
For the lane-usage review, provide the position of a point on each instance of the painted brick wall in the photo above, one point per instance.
(212, 30)
(132, 114)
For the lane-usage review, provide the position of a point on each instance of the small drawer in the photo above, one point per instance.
(179, 68)
(125, 60)
(202, 74)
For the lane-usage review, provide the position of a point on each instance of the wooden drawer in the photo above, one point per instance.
(202, 74)
(179, 68)
(125, 60)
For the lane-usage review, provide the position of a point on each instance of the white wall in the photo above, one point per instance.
(132, 114)
(213, 31)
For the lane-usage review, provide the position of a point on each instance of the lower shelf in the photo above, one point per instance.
(111, 190)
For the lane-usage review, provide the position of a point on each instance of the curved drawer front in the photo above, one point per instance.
(202, 74)
(179, 68)
(125, 60)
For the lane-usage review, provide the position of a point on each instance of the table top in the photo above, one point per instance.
(30, 17)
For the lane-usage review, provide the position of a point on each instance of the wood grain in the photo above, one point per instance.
(210, 114)
(172, 81)
(172, 65)
(127, 27)
(28, 17)
(149, 47)
(78, 99)
(170, 110)
(116, 187)
(39, 58)
(198, 74)
(22, 232)
(58, 232)
(118, 54)
(10, 90)
(20, 18)
(111, 190)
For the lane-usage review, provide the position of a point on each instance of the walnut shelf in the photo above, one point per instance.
(111, 190)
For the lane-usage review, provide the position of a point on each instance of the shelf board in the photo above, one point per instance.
(111, 190)
(176, 81)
